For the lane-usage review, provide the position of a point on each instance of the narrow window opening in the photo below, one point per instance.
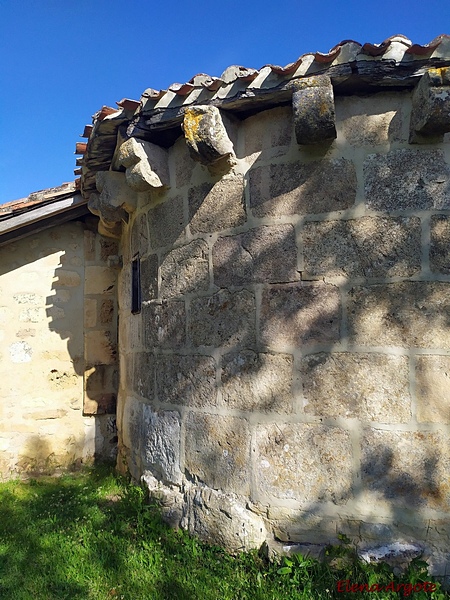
(136, 284)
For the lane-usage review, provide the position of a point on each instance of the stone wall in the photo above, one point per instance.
(51, 283)
(288, 375)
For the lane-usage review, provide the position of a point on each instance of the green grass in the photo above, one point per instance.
(92, 536)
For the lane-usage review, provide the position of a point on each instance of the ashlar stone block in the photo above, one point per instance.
(300, 525)
(99, 280)
(100, 348)
(186, 380)
(302, 188)
(130, 423)
(407, 314)
(144, 374)
(106, 313)
(161, 433)
(363, 122)
(149, 277)
(366, 247)
(214, 207)
(293, 315)
(257, 382)
(268, 129)
(185, 270)
(407, 469)
(223, 319)
(130, 440)
(433, 389)
(139, 235)
(68, 278)
(100, 378)
(218, 451)
(107, 248)
(222, 519)
(304, 462)
(164, 324)
(124, 286)
(89, 245)
(131, 330)
(440, 244)
(184, 164)
(407, 180)
(371, 387)
(166, 223)
(100, 395)
(265, 254)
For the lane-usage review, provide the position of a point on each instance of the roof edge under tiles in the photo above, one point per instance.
(201, 88)
(37, 199)
(396, 63)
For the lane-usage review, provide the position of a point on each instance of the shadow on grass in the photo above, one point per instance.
(89, 536)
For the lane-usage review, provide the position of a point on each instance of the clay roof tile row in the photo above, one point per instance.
(240, 73)
(36, 199)
(397, 48)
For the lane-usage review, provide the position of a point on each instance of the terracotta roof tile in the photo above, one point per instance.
(350, 48)
(128, 104)
(237, 80)
(36, 199)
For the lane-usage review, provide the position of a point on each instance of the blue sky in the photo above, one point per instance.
(62, 60)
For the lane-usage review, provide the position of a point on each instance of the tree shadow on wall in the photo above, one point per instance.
(40, 456)
(92, 385)
(340, 337)
(42, 397)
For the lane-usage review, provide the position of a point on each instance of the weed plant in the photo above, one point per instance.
(92, 536)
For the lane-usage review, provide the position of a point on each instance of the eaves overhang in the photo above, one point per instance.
(39, 211)
(395, 64)
(131, 140)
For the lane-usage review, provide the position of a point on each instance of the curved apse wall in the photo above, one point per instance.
(287, 376)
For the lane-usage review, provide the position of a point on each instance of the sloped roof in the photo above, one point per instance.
(40, 210)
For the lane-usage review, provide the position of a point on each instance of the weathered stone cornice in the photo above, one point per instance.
(356, 77)
(132, 139)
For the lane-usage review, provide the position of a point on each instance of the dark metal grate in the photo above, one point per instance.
(136, 285)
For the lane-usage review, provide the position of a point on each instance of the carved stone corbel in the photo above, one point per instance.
(206, 136)
(430, 113)
(114, 202)
(147, 165)
(313, 107)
